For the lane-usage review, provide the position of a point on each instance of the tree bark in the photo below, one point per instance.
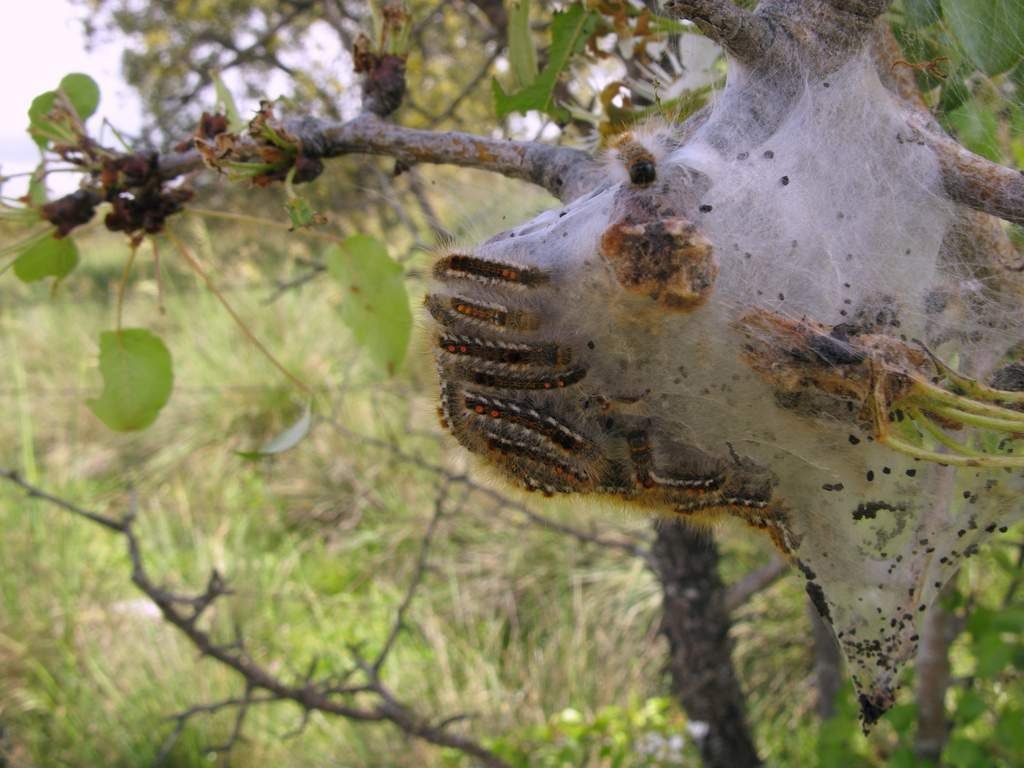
(696, 623)
(828, 664)
(937, 633)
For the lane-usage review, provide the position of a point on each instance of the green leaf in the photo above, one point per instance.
(977, 127)
(224, 99)
(991, 31)
(970, 707)
(82, 92)
(901, 717)
(1008, 731)
(301, 213)
(284, 440)
(37, 112)
(903, 758)
(37, 185)
(375, 305)
(47, 258)
(521, 53)
(137, 379)
(570, 30)
(962, 753)
(991, 655)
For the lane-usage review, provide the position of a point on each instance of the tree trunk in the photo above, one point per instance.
(828, 664)
(696, 623)
(938, 632)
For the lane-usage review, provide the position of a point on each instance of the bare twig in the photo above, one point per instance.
(744, 35)
(502, 501)
(261, 685)
(281, 287)
(755, 581)
(480, 76)
(415, 581)
(416, 187)
(37, 493)
(182, 718)
(236, 730)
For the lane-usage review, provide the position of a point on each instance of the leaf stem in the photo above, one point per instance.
(925, 391)
(125, 274)
(939, 436)
(198, 269)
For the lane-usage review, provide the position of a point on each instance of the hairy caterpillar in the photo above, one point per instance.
(520, 392)
(749, 320)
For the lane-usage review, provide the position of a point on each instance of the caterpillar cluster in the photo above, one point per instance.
(523, 386)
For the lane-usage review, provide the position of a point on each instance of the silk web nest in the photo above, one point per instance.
(776, 312)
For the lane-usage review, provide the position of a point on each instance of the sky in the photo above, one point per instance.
(40, 42)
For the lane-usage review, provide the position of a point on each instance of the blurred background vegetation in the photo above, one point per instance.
(547, 643)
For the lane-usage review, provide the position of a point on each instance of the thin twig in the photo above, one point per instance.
(198, 269)
(37, 493)
(501, 500)
(417, 578)
(261, 684)
(281, 287)
(755, 581)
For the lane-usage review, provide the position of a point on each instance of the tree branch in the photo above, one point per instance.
(564, 172)
(753, 582)
(695, 622)
(503, 502)
(746, 36)
(938, 632)
(971, 180)
(262, 685)
(414, 583)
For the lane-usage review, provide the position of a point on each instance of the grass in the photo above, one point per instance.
(318, 543)
(523, 629)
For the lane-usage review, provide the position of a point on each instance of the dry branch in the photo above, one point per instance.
(978, 183)
(564, 172)
(261, 685)
(755, 581)
(501, 501)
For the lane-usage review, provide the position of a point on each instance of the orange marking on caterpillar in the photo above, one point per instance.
(450, 310)
(508, 353)
(514, 381)
(527, 418)
(459, 266)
